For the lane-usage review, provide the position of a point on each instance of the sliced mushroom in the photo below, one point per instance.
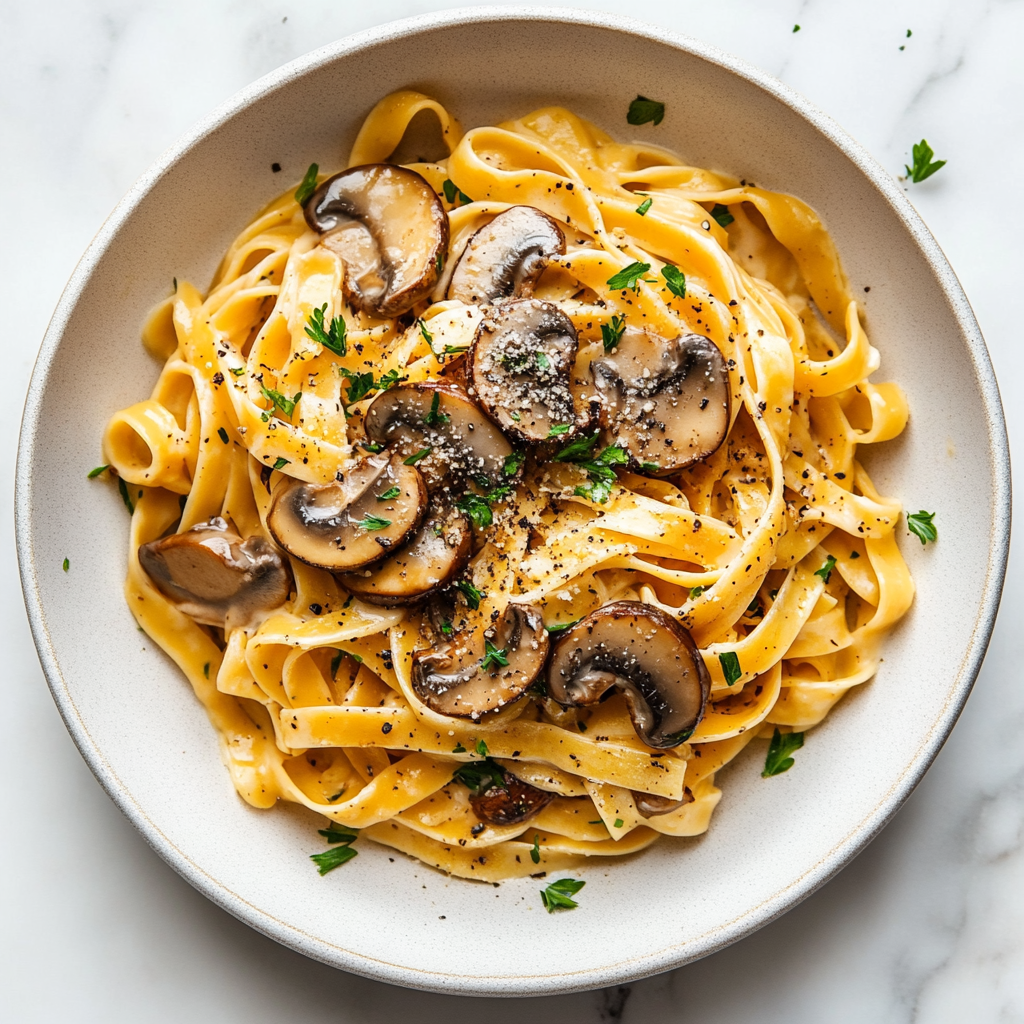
(665, 402)
(646, 654)
(509, 804)
(463, 678)
(507, 256)
(519, 368)
(442, 429)
(429, 562)
(390, 229)
(354, 521)
(651, 805)
(214, 576)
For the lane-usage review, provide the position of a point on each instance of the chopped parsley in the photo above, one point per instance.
(237, 371)
(371, 446)
(480, 776)
(825, 572)
(449, 630)
(730, 663)
(580, 449)
(796, 28)
(645, 206)
(370, 522)
(435, 418)
(341, 853)
(477, 507)
(451, 190)
(339, 834)
(559, 428)
(125, 496)
(481, 748)
(416, 456)
(494, 656)
(336, 663)
(695, 592)
(722, 215)
(611, 333)
(558, 895)
(600, 474)
(628, 277)
(391, 492)
(472, 595)
(206, 670)
(458, 749)
(361, 384)
(781, 746)
(286, 405)
(924, 166)
(513, 463)
(619, 823)
(642, 110)
(921, 524)
(561, 627)
(93, 473)
(308, 186)
(542, 361)
(535, 852)
(280, 462)
(331, 336)
(439, 262)
(675, 279)
(222, 434)
(66, 564)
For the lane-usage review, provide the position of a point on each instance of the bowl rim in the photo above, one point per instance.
(668, 957)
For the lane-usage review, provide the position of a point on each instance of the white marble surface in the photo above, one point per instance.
(927, 925)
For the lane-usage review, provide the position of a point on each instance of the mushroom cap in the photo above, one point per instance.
(507, 256)
(437, 553)
(214, 576)
(390, 229)
(650, 805)
(451, 680)
(666, 402)
(520, 366)
(462, 441)
(349, 522)
(646, 654)
(510, 804)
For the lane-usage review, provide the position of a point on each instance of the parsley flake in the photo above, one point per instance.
(435, 418)
(675, 280)
(611, 333)
(339, 833)
(477, 507)
(645, 206)
(494, 656)
(472, 595)
(416, 456)
(280, 462)
(66, 564)
(458, 749)
(695, 592)
(535, 852)
(730, 663)
(93, 473)
(308, 186)
(628, 277)
(125, 496)
(331, 336)
(722, 215)
(480, 776)
(825, 572)
(559, 428)
(391, 492)
(371, 522)
(451, 190)
(924, 166)
(561, 627)
(921, 525)
(781, 746)
(286, 405)
(333, 858)
(558, 895)
(237, 371)
(513, 463)
(222, 434)
(642, 110)
(481, 748)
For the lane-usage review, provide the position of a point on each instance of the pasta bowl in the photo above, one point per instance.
(773, 841)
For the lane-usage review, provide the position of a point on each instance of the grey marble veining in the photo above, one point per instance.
(927, 925)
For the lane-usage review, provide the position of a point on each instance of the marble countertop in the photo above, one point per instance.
(927, 925)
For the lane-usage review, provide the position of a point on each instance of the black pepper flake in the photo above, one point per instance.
(275, 167)
(315, 608)
(386, 728)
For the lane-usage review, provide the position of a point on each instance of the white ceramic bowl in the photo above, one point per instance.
(771, 842)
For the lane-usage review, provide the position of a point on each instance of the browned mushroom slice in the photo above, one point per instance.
(519, 368)
(473, 673)
(509, 803)
(430, 561)
(646, 654)
(507, 256)
(214, 576)
(352, 522)
(665, 402)
(650, 805)
(440, 430)
(389, 227)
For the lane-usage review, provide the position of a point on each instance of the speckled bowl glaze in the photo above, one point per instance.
(772, 842)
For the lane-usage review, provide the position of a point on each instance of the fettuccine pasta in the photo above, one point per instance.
(763, 561)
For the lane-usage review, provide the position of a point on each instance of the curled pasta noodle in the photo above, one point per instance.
(774, 551)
